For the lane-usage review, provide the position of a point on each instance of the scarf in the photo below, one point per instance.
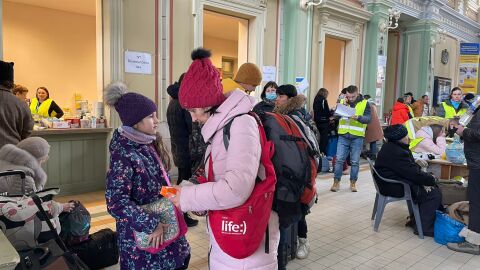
(455, 104)
(136, 136)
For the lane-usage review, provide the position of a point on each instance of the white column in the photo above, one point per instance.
(113, 48)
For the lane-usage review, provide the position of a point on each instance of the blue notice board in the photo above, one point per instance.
(469, 48)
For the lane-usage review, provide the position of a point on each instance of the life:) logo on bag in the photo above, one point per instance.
(229, 227)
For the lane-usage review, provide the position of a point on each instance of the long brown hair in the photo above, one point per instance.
(436, 130)
(162, 152)
(322, 92)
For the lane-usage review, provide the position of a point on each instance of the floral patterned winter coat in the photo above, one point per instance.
(135, 179)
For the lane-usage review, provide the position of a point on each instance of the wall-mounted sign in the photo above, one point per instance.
(468, 67)
(269, 73)
(138, 62)
(301, 84)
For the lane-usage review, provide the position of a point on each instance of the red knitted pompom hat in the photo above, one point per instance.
(201, 86)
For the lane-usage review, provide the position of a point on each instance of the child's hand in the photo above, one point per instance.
(176, 199)
(68, 207)
(156, 238)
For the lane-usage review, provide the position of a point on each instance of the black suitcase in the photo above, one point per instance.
(287, 250)
(102, 244)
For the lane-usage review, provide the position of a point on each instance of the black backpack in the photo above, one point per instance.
(292, 165)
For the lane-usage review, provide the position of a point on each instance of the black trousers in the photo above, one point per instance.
(427, 205)
(302, 228)
(323, 130)
(473, 191)
(184, 174)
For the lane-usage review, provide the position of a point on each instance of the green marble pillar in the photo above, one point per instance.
(416, 75)
(376, 41)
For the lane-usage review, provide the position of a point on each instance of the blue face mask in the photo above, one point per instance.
(271, 96)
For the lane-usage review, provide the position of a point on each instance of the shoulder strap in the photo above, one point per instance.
(226, 129)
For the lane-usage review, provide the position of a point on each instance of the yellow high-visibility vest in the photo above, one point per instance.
(42, 110)
(414, 143)
(354, 127)
(411, 111)
(450, 111)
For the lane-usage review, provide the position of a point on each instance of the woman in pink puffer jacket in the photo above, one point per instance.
(433, 140)
(234, 170)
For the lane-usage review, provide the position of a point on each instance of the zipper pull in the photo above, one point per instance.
(250, 209)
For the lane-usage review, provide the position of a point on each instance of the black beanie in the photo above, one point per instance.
(6, 71)
(395, 132)
(288, 90)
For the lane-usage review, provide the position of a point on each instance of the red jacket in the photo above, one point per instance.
(399, 114)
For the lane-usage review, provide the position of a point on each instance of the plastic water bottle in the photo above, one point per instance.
(467, 117)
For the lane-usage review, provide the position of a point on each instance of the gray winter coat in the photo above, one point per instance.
(14, 158)
(16, 121)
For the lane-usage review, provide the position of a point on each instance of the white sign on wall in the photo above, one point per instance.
(269, 73)
(138, 62)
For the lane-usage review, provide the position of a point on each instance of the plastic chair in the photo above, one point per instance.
(381, 201)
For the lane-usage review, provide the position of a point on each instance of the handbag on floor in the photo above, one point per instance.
(102, 244)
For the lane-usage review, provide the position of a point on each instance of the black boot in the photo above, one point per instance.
(282, 256)
(190, 221)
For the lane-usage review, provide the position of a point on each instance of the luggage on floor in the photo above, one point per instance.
(332, 146)
(287, 249)
(452, 191)
(75, 225)
(102, 244)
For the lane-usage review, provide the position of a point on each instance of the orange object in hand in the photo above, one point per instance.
(168, 192)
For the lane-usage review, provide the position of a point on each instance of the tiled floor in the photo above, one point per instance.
(340, 234)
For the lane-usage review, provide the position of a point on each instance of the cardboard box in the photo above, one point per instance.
(60, 124)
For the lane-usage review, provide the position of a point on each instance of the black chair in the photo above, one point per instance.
(382, 200)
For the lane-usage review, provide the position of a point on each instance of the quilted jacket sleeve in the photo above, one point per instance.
(119, 204)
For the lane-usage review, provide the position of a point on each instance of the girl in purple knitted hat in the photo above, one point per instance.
(138, 162)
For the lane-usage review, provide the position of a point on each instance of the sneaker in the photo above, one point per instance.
(336, 186)
(303, 248)
(190, 221)
(353, 187)
(465, 247)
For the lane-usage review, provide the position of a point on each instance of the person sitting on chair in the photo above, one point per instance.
(395, 161)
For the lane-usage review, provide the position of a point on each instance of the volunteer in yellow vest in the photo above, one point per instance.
(44, 106)
(351, 134)
(247, 78)
(453, 108)
(429, 140)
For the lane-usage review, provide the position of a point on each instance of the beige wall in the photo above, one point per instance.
(139, 35)
(219, 48)
(51, 48)
(450, 70)
(333, 68)
(270, 39)
(182, 44)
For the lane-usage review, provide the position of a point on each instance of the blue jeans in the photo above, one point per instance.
(373, 148)
(348, 144)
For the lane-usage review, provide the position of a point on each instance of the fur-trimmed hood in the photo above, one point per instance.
(12, 157)
(293, 104)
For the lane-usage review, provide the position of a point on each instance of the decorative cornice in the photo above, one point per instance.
(347, 12)
(250, 3)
